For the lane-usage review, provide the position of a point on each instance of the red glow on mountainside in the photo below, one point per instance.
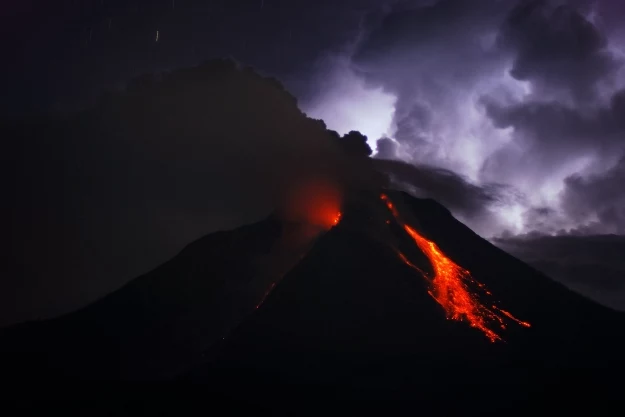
(314, 206)
(314, 201)
(451, 286)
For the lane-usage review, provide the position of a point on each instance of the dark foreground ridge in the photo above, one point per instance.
(349, 325)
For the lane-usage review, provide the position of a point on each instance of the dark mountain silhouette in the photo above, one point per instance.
(275, 315)
(98, 196)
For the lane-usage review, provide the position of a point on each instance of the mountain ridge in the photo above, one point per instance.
(212, 303)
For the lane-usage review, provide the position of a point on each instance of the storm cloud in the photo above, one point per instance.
(525, 94)
(557, 49)
(597, 202)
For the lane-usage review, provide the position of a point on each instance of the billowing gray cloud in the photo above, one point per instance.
(386, 148)
(597, 202)
(429, 36)
(557, 48)
(549, 135)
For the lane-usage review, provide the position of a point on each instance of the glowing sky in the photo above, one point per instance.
(525, 96)
(346, 103)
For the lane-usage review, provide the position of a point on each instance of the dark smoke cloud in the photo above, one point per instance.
(354, 143)
(98, 197)
(469, 202)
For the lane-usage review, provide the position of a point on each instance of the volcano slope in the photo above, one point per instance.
(158, 324)
(354, 321)
(352, 316)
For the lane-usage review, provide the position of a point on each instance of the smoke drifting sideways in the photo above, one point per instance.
(98, 197)
(525, 96)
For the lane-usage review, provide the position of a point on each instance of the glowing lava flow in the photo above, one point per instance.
(450, 286)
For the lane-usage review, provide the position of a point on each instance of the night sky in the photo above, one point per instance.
(511, 113)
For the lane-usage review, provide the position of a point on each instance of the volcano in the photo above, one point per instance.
(394, 302)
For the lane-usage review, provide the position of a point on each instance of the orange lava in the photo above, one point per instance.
(511, 317)
(451, 286)
(410, 264)
(337, 219)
